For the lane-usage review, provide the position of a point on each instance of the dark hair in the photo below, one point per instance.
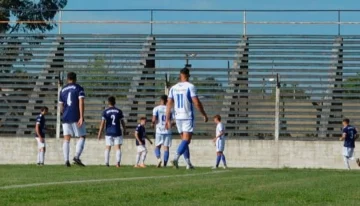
(44, 109)
(71, 76)
(142, 118)
(218, 117)
(112, 100)
(185, 71)
(164, 98)
(346, 120)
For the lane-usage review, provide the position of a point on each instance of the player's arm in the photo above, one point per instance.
(149, 139)
(200, 107)
(101, 128)
(169, 106)
(153, 121)
(343, 136)
(137, 137)
(123, 126)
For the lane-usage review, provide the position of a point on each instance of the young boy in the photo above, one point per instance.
(113, 118)
(219, 141)
(140, 136)
(40, 135)
(349, 135)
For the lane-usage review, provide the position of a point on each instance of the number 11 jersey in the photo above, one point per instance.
(182, 94)
(113, 117)
(69, 96)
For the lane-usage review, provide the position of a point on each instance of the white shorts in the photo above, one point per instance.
(73, 130)
(348, 152)
(141, 148)
(40, 144)
(111, 141)
(186, 125)
(220, 144)
(163, 139)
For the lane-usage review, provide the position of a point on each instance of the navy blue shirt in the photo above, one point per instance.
(113, 117)
(141, 134)
(350, 132)
(69, 96)
(40, 120)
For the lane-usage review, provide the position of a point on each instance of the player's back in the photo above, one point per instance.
(69, 96)
(350, 132)
(220, 128)
(113, 117)
(182, 94)
(160, 113)
(40, 120)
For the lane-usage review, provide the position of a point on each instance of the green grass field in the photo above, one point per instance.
(95, 185)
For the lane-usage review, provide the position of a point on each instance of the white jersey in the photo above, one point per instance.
(160, 113)
(220, 128)
(182, 94)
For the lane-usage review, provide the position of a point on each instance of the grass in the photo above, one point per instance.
(167, 186)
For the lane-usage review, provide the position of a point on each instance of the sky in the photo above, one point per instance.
(211, 16)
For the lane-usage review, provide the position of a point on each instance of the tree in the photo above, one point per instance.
(24, 10)
(352, 83)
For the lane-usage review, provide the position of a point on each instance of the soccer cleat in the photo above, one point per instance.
(175, 164)
(159, 163)
(358, 161)
(107, 165)
(78, 162)
(190, 167)
(142, 166)
(136, 166)
(118, 165)
(225, 167)
(214, 168)
(67, 164)
(38, 164)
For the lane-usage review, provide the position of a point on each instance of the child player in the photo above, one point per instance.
(219, 141)
(140, 136)
(40, 135)
(349, 135)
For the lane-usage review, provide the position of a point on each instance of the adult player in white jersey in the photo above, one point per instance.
(162, 135)
(183, 98)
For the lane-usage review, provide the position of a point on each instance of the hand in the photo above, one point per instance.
(205, 118)
(140, 143)
(151, 142)
(214, 140)
(99, 136)
(152, 125)
(41, 140)
(80, 122)
(168, 125)
(124, 132)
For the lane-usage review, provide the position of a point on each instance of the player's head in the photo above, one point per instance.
(44, 110)
(346, 122)
(163, 99)
(71, 77)
(111, 101)
(142, 120)
(184, 74)
(217, 118)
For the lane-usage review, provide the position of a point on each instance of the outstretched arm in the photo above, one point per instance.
(169, 105)
(200, 107)
(101, 128)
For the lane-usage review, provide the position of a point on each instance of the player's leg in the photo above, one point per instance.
(118, 142)
(38, 150)
(187, 158)
(68, 132)
(346, 157)
(109, 141)
(221, 149)
(166, 147)
(81, 133)
(143, 157)
(158, 143)
(138, 155)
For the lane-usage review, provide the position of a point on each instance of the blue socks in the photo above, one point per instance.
(218, 158)
(187, 153)
(223, 159)
(166, 157)
(184, 145)
(157, 152)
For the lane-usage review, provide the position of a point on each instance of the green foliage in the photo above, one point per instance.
(352, 83)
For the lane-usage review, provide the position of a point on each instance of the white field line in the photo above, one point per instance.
(104, 180)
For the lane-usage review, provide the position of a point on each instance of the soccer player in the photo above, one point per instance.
(113, 118)
(219, 141)
(40, 135)
(162, 135)
(183, 96)
(72, 106)
(349, 135)
(140, 136)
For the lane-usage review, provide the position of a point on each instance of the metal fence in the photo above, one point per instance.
(235, 76)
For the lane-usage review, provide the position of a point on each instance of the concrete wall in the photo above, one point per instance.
(239, 153)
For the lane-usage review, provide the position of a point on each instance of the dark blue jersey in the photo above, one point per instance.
(113, 117)
(69, 96)
(40, 120)
(350, 133)
(140, 129)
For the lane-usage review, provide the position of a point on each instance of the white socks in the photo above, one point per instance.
(66, 150)
(42, 157)
(38, 157)
(143, 156)
(107, 156)
(79, 147)
(138, 158)
(346, 160)
(118, 156)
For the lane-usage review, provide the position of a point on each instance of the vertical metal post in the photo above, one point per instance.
(59, 23)
(167, 83)
(277, 108)
(244, 22)
(339, 21)
(58, 112)
(151, 21)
